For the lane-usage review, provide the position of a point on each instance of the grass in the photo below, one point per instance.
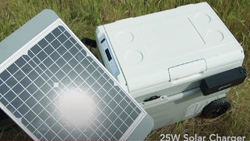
(83, 16)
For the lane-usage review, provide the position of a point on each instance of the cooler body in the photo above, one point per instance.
(169, 110)
(173, 62)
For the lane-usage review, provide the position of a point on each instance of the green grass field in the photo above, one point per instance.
(84, 16)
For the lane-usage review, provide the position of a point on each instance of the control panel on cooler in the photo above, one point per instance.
(111, 64)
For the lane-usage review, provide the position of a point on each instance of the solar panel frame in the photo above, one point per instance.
(28, 67)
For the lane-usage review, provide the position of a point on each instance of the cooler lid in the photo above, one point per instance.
(165, 46)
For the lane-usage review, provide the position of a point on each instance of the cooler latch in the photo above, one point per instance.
(187, 70)
(151, 98)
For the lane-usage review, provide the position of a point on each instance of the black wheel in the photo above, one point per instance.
(216, 108)
(3, 115)
(5, 122)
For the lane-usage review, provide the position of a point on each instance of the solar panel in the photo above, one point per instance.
(55, 89)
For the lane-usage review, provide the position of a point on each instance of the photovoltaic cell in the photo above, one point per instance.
(33, 87)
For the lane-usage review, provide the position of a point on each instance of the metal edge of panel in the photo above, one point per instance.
(19, 38)
(143, 129)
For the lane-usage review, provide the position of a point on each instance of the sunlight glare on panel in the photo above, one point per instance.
(76, 107)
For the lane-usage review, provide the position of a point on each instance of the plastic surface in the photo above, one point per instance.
(223, 80)
(111, 64)
(154, 51)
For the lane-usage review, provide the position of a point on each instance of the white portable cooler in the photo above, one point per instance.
(161, 59)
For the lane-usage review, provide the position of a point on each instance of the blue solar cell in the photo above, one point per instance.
(55, 67)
